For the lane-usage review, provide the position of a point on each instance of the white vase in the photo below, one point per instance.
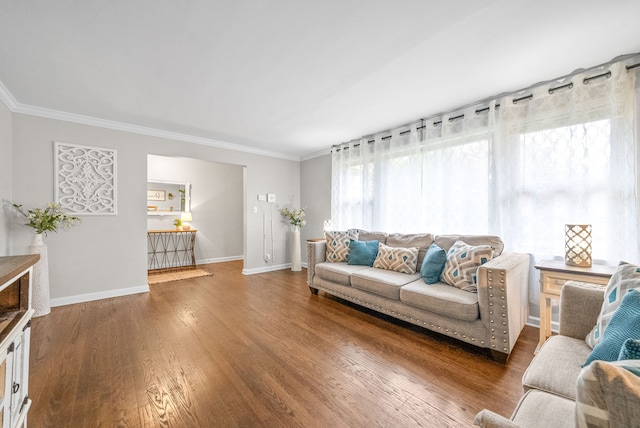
(296, 257)
(40, 300)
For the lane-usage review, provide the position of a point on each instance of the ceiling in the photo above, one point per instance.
(290, 78)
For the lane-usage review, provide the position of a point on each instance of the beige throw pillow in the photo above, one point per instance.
(338, 244)
(397, 259)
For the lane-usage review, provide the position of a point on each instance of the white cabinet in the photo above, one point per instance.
(15, 334)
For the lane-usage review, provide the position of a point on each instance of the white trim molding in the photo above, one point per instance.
(126, 127)
(81, 298)
(271, 268)
(219, 260)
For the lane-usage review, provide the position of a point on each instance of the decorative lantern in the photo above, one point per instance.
(577, 246)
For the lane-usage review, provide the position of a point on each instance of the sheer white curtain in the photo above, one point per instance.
(376, 182)
(457, 175)
(520, 171)
(569, 157)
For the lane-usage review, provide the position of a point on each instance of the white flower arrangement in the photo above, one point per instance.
(296, 218)
(48, 219)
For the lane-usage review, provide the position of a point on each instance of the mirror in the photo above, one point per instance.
(168, 197)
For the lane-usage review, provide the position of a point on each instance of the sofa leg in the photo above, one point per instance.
(313, 290)
(499, 357)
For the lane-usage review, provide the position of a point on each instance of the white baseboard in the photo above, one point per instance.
(266, 269)
(81, 298)
(219, 260)
(535, 322)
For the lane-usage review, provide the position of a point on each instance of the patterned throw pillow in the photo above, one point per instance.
(627, 276)
(462, 265)
(607, 395)
(338, 244)
(398, 259)
(630, 350)
(624, 324)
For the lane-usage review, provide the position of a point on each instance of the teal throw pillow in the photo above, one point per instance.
(624, 324)
(433, 264)
(627, 276)
(362, 252)
(630, 350)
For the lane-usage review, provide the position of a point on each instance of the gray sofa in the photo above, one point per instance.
(554, 379)
(492, 318)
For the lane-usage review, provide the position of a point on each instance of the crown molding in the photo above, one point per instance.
(15, 107)
(314, 155)
(7, 98)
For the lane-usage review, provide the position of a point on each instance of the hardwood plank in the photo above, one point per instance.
(236, 351)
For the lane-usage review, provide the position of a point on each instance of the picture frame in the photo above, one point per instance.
(156, 195)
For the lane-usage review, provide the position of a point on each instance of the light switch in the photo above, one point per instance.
(271, 197)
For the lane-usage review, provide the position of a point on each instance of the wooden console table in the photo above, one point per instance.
(553, 275)
(171, 249)
(15, 333)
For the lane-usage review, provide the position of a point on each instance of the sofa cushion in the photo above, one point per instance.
(556, 366)
(626, 277)
(433, 264)
(446, 241)
(538, 409)
(442, 299)
(338, 244)
(397, 259)
(624, 324)
(421, 241)
(608, 395)
(339, 273)
(362, 252)
(462, 264)
(365, 235)
(382, 282)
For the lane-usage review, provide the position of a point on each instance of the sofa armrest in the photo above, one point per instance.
(316, 253)
(580, 305)
(503, 297)
(488, 419)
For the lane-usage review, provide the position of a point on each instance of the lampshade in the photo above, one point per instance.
(577, 246)
(186, 216)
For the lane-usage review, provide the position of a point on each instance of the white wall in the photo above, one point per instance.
(107, 254)
(5, 176)
(315, 193)
(216, 204)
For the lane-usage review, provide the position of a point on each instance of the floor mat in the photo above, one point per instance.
(157, 278)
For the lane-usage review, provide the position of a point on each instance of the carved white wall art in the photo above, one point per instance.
(86, 179)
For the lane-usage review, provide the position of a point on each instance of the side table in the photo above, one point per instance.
(553, 275)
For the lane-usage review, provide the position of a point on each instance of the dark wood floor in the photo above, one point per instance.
(260, 350)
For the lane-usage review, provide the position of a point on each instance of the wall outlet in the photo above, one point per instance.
(271, 198)
(267, 258)
(255, 210)
(262, 197)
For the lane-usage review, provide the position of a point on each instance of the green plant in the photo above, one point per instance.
(177, 222)
(48, 219)
(296, 218)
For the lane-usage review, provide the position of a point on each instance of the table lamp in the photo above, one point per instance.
(186, 217)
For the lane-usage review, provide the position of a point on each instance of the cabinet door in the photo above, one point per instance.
(6, 367)
(20, 369)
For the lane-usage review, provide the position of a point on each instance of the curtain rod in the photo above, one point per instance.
(569, 85)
